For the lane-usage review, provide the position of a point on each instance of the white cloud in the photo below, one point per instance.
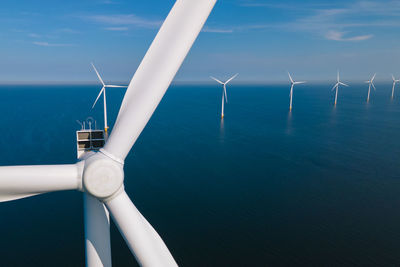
(109, 2)
(68, 30)
(303, 6)
(217, 30)
(34, 35)
(50, 44)
(117, 29)
(386, 7)
(339, 36)
(333, 20)
(123, 20)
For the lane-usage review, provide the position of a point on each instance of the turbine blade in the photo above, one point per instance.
(155, 73)
(226, 96)
(98, 96)
(143, 241)
(338, 78)
(299, 82)
(215, 79)
(230, 79)
(290, 78)
(393, 77)
(116, 86)
(23, 181)
(343, 84)
(334, 87)
(98, 75)
(373, 86)
(373, 77)
(97, 232)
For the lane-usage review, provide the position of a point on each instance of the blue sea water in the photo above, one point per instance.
(319, 186)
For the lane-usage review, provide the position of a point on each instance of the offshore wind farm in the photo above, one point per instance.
(161, 170)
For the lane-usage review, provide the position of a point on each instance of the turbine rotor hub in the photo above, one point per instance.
(102, 176)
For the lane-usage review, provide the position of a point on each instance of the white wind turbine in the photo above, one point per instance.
(103, 91)
(100, 175)
(224, 95)
(371, 83)
(336, 86)
(293, 83)
(394, 84)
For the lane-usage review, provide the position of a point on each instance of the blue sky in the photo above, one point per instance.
(51, 40)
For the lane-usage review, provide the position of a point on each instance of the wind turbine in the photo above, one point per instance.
(338, 82)
(293, 83)
(100, 175)
(103, 91)
(224, 95)
(371, 83)
(394, 84)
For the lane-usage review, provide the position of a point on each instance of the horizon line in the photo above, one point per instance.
(60, 82)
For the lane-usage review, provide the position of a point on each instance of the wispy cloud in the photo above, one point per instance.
(117, 29)
(68, 30)
(28, 13)
(391, 7)
(388, 8)
(217, 30)
(109, 2)
(333, 24)
(34, 35)
(333, 21)
(123, 20)
(51, 44)
(268, 4)
(340, 36)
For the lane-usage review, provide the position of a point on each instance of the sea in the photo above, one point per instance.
(317, 186)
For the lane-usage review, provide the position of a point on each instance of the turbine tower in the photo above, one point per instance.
(293, 83)
(101, 174)
(224, 95)
(336, 86)
(103, 91)
(394, 84)
(370, 83)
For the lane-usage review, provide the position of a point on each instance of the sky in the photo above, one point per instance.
(55, 41)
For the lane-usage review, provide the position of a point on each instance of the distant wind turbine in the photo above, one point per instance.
(103, 90)
(293, 83)
(224, 95)
(337, 86)
(370, 83)
(394, 84)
